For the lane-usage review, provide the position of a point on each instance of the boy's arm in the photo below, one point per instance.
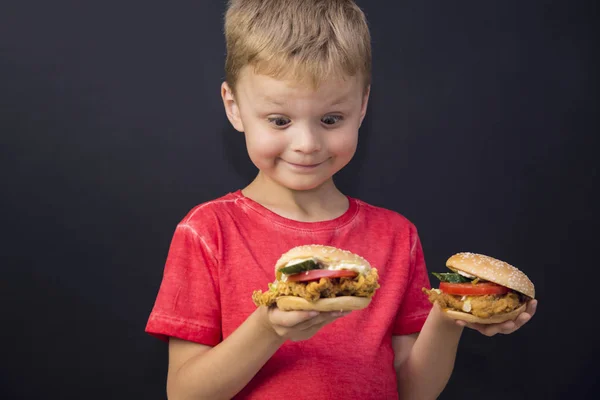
(202, 372)
(424, 362)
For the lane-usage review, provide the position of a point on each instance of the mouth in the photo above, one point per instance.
(304, 166)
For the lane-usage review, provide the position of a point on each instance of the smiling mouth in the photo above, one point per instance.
(306, 166)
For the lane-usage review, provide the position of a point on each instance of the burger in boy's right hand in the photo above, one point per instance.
(320, 278)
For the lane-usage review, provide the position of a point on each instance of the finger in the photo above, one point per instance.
(485, 329)
(507, 327)
(521, 320)
(481, 328)
(531, 307)
(490, 330)
(310, 330)
(321, 320)
(289, 319)
(307, 333)
(306, 324)
(339, 314)
(328, 318)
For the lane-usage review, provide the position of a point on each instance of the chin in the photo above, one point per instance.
(303, 184)
(298, 187)
(297, 182)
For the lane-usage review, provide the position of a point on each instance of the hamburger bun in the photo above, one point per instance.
(492, 270)
(319, 252)
(342, 303)
(498, 318)
(357, 292)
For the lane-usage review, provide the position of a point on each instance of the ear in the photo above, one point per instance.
(365, 102)
(231, 107)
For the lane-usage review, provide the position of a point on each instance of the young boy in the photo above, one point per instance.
(297, 85)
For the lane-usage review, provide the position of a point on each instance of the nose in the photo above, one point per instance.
(306, 140)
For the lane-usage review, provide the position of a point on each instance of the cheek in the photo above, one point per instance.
(344, 144)
(260, 142)
(263, 144)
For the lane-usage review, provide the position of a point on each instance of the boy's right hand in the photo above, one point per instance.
(299, 325)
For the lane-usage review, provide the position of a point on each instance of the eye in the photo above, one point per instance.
(331, 119)
(279, 122)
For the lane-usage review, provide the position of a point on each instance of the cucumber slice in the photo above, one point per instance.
(451, 277)
(300, 267)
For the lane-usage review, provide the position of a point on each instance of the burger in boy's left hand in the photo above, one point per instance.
(484, 293)
(504, 327)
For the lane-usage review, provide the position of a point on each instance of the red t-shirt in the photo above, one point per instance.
(225, 249)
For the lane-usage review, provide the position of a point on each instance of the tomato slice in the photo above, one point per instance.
(321, 273)
(470, 289)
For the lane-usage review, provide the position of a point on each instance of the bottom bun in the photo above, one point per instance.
(496, 319)
(342, 303)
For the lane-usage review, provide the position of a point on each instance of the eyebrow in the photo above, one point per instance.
(276, 102)
(271, 100)
(340, 100)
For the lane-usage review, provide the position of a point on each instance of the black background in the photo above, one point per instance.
(481, 129)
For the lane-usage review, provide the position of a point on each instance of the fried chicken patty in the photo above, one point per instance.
(360, 286)
(481, 306)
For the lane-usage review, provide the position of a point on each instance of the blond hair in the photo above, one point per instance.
(302, 40)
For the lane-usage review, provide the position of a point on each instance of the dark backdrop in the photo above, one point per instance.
(481, 130)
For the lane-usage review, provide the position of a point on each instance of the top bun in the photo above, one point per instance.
(320, 252)
(492, 270)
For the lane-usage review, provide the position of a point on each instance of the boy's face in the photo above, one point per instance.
(297, 137)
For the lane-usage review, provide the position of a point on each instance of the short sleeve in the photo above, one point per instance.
(415, 306)
(187, 305)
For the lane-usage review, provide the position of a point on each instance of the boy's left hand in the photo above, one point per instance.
(504, 327)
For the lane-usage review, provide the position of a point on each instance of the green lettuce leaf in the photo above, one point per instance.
(450, 277)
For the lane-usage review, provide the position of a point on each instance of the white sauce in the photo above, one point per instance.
(300, 260)
(465, 274)
(359, 269)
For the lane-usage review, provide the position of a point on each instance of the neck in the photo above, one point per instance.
(322, 203)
